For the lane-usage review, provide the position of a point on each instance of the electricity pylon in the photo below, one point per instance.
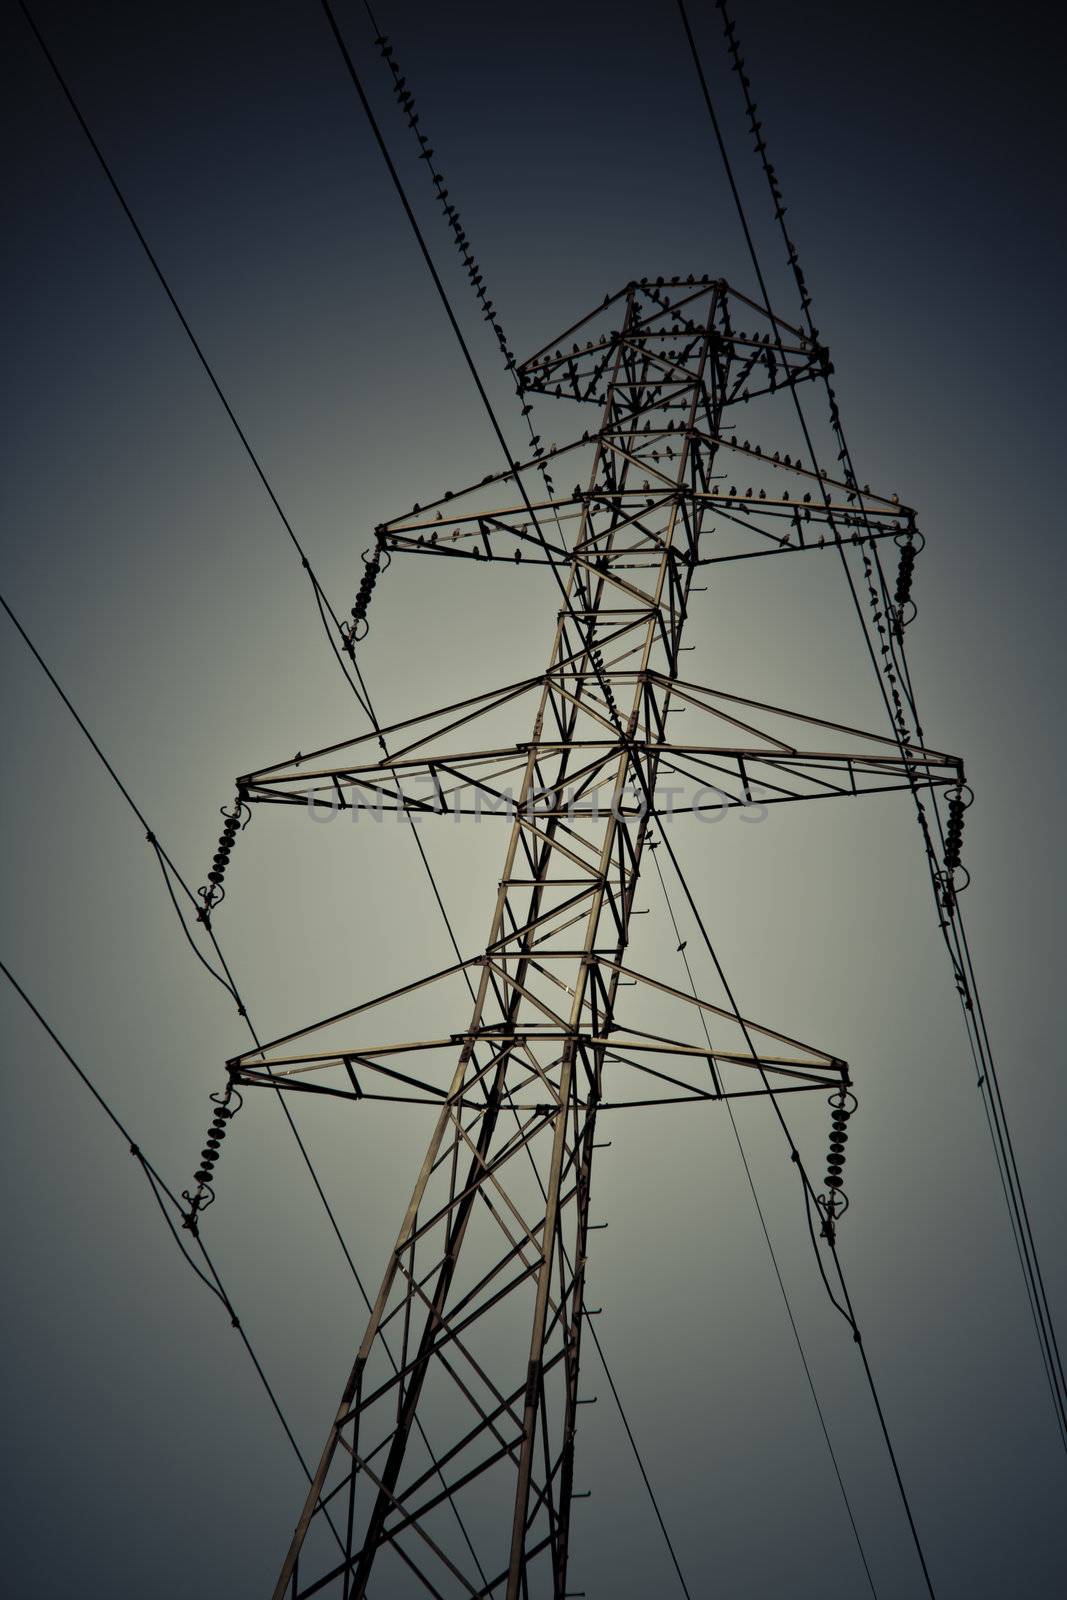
(449, 1465)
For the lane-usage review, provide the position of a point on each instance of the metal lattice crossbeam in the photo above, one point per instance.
(764, 761)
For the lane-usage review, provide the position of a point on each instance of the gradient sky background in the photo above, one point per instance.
(918, 147)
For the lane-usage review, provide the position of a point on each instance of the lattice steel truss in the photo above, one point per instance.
(480, 1310)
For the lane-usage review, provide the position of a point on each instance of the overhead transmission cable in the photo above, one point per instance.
(514, 470)
(767, 1237)
(321, 601)
(326, 610)
(171, 872)
(189, 1215)
(324, 605)
(811, 1203)
(406, 102)
(897, 675)
(165, 1196)
(360, 692)
(950, 914)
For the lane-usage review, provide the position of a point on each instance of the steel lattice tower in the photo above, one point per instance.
(474, 1342)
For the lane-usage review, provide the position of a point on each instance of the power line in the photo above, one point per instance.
(895, 720)
(189, 1216)
(165, 861)
(810, 1200)
(171, 871)
(894, 653)
(767, 1238)
(846, 1311)
(359, 686)
(406, 103)
(164, 1196)
(640, 1462)
(321, 600)
(442, 293)
(323, 607)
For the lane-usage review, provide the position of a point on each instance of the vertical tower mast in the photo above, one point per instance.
(474, 1339)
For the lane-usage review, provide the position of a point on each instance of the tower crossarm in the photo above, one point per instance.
(746, 752)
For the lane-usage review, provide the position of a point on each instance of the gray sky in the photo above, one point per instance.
(149, 567)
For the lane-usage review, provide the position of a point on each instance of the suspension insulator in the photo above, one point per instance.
(903, 609)
(957, 808)
(226, 1104)
(905, 573)
(835, 1202)
(212, 892)
(357, 629)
